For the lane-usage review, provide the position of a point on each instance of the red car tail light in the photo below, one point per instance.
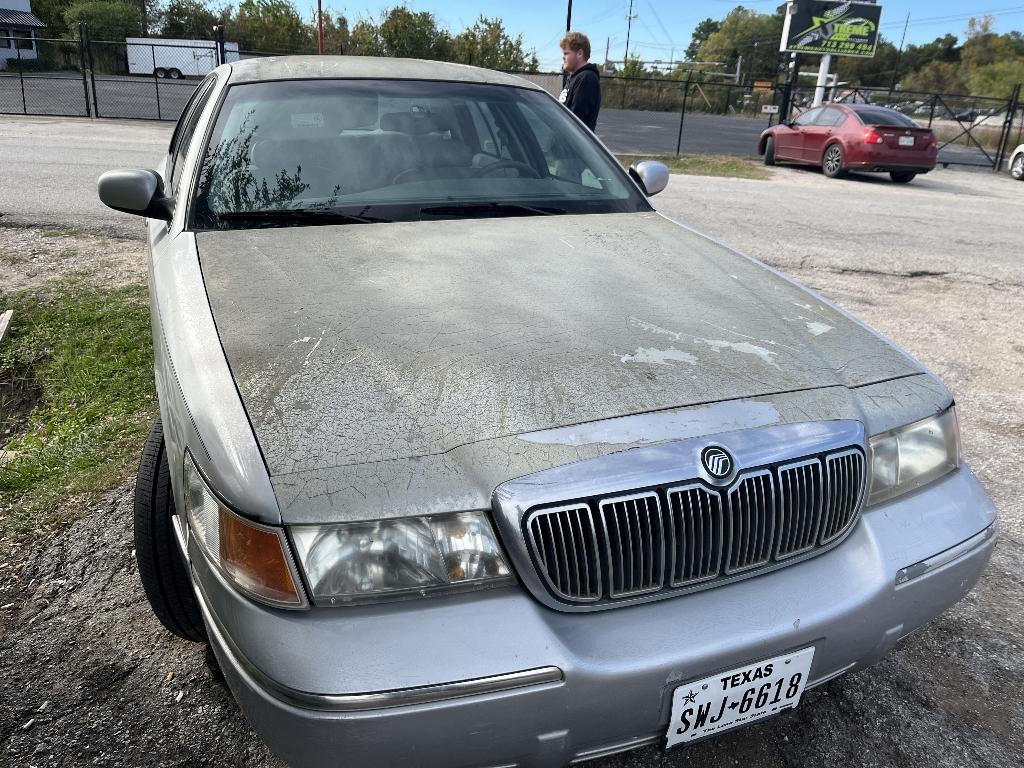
(872, 137)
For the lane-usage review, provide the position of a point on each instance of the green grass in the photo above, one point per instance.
(76, 387)
(706, 165)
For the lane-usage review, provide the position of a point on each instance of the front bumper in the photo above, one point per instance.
(334, 686)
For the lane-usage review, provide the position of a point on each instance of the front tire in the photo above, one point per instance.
(162, 569)
(1017, 167)
(902, 177)
(769, 151)
(160, 72)
(832, 162)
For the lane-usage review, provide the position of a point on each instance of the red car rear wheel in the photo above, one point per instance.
(832, 161)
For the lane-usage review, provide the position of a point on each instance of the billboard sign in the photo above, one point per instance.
(838, 28)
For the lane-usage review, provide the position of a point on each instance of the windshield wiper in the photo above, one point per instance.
(469, 210)
(297, 215)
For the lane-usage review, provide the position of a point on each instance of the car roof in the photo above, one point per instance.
(365, 67)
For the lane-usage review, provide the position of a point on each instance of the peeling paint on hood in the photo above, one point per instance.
(361, 344)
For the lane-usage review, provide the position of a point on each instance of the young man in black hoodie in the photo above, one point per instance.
(582, 93)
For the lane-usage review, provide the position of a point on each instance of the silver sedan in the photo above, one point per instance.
(467, 456)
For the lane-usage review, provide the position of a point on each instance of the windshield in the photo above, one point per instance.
(356, 151)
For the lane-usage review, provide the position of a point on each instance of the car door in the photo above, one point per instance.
(789, 140)
(817, 134)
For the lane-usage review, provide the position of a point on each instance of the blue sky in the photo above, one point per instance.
(664, 25)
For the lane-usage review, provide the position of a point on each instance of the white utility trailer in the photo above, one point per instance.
(175, 58)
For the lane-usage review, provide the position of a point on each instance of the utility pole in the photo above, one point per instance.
(629, 27)
(319, 27)
(607, 52)
(819, 88)
(568, 18)
(899, 53)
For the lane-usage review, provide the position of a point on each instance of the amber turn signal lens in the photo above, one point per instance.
(255, 559)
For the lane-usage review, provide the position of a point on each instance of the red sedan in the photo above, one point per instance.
(852, 137)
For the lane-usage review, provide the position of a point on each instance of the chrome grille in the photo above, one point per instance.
(750, 522)
(564, 541)
(696, 525)
(844, 474)
(692, 535)
(800, 507)
(635, 543)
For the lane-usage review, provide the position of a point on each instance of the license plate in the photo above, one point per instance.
(906, 141)
(738, 697)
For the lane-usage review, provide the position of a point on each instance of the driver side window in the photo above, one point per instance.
(808, 117)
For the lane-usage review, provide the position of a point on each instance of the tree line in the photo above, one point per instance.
(984, 64)
(276, 26)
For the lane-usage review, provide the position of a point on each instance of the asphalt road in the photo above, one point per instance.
(90, 677)
(50, 165)
(115, 96)
(49, 169)
(622, 130)
(656, 133)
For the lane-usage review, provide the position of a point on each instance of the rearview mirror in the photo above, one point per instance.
(651, 175)
(136, 191)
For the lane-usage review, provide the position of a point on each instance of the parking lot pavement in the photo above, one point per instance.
(49, 167)
(948, 222)
(90, 677)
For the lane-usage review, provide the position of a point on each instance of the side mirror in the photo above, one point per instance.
(136, 191)
(651, 175)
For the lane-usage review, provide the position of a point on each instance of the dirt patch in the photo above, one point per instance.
(90, 676)
(31, 256)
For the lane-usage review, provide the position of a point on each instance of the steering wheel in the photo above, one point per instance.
(523, 168)
(402, 176)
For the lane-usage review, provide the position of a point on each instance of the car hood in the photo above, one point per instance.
(367, 343)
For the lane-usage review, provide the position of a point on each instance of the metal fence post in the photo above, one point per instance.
(156, 80)
(1004, 134)
(92, 70)
(81, 65)
(682, 112)
(218, 36)
(931, 112)
(21, 76)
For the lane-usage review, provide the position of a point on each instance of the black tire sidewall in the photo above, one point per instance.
(162, 568)
(769, 151)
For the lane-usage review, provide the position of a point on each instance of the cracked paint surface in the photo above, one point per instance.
(389, 368)
(652, 356)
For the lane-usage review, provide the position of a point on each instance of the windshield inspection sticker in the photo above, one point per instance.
(308, 120)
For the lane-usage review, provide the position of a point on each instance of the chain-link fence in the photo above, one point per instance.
(971, 130)
(147, 78)
(47, 79)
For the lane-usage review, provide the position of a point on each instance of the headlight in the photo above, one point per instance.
(407, 557)
(253, 557)
(911, 456)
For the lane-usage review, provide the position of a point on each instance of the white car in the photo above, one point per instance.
(1016, 164)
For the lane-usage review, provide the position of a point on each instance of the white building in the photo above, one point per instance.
(19, 28)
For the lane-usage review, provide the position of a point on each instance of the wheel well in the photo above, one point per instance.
(831, 143)
(762, 144)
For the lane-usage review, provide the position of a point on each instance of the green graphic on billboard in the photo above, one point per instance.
(838, 28)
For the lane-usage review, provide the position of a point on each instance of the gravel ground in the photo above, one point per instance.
(90, 678)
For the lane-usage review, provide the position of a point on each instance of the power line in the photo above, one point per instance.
(661, 24)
